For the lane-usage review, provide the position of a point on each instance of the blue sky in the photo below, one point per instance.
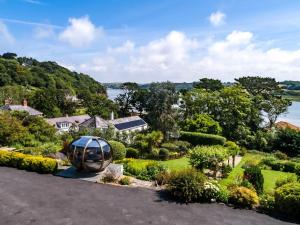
(157, 40)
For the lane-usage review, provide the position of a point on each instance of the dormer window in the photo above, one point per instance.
(64, 125)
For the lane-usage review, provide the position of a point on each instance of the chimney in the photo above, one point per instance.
(24, 102)
(112, 116)
(8, 101)
(67, 115)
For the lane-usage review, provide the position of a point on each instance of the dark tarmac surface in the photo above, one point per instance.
(31, 198)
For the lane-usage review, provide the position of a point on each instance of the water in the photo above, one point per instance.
(113, 93)
(292, 116)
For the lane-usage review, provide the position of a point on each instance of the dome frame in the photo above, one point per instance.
(78, 156)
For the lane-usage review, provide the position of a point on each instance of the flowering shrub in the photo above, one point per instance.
(210, 191)
(243, 197)
(27, 162)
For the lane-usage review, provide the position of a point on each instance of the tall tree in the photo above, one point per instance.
(264, 86)
(267, 97)
(161, 115)
(126, 99)
(99, 105)
(209, 84)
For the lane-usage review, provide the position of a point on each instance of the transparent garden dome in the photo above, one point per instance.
(90, 153)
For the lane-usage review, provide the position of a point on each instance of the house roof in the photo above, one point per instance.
(31, 111)
(95, 122)
(284, 125)
(128, 122)
(68, 119)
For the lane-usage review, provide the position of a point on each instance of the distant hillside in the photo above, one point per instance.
(179, 86)
(28, 72)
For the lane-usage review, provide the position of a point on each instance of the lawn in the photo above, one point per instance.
(270, 176)
(176, 164)
(238, 170)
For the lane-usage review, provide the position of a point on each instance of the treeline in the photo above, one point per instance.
(291, 85)
(245, 112)
(50, 88)
(30, 72)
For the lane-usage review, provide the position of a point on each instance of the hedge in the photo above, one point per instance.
(281, 165)
(28, 162)
(287, 199)
(202, 139)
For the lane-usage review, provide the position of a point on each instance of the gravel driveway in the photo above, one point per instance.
(31, 198)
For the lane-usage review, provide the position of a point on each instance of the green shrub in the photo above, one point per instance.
(250, 163)
(285, 180)
(208, 157)
(287, 199)
(280, 155)
(266, 202)
(142, 169)
(202, 139)
(288, 141)
(152, 169)
(163, 177)
(109, 178)
(297, 170)
(27, 162)
(164, 154)
(243, 151)
(254, 176)
(245, 183)
(125, 181)
(225, 169)
(203, 123)
(243, 197)
(170, 146)
(289, 166)
(186, 185)
(132, 153)
(223, 195)
(119, 150)
(182, 145)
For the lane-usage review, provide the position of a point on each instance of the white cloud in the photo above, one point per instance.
(127, 47)
(81, 32)
(238, 55)
(164, 53)
(177, 57)
(5, 35)
(33, 2)
(217, 18)
(41, 32)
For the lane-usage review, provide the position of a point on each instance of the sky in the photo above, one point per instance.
(157, 40)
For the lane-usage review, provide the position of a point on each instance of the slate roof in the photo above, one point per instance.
(31, 111)
(68, 119)
(95, 122)
(128, 122)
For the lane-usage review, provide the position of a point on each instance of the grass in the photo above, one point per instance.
(238, 170)
(271, 177)
(174, 164)
(177, 164)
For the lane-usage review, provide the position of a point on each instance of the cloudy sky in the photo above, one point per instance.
(157, 40)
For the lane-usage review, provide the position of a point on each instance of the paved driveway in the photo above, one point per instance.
(31, 198)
